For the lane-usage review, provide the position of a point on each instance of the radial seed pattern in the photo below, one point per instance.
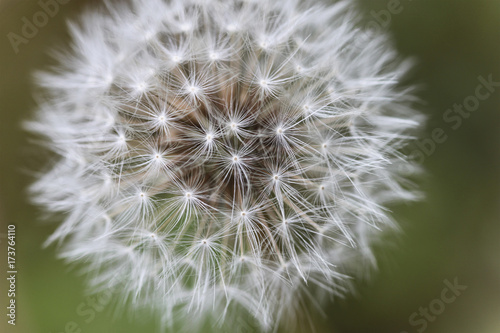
(216, 154)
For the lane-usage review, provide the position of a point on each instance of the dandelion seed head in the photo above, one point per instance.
(219, 156)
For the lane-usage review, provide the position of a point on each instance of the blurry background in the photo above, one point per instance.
(453, 234)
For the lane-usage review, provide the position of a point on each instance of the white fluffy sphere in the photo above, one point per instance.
(221, 155)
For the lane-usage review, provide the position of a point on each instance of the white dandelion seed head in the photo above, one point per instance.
(220, 155)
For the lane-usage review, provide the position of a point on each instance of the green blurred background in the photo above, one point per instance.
(453, 233)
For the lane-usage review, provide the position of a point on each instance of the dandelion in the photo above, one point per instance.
(222, 156)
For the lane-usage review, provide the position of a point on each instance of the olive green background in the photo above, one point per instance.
(453, 233)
